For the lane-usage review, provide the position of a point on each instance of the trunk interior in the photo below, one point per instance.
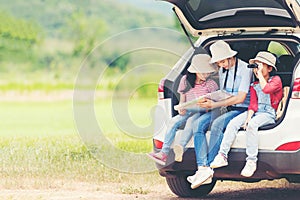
(284, 47)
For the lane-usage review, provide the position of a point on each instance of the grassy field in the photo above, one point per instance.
(42, 150)
(39, 143)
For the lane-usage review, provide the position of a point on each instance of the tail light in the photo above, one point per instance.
(161, 89)
(296, 89)
(290, 146)
(158, 144)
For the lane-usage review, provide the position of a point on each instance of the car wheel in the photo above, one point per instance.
(295, 178)
(181, 187)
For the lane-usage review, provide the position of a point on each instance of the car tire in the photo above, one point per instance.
(181, 187)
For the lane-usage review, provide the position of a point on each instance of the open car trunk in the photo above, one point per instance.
(206, 16)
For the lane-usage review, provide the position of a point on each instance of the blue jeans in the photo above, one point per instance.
(205, 154)
(188, 129)
(172, 127)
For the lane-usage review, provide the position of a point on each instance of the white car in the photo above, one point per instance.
(249, 27)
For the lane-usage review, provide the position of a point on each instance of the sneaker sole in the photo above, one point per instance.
(246, 175)
(156, 160)
(178, 151)
(206, 181)
(218, 166)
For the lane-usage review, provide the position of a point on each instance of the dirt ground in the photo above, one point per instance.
(264, 190)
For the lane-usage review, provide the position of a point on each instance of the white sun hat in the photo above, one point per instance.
(265, 57)
(201, 64)
(221, 50)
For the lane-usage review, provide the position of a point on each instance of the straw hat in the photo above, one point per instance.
(200, 64)
(265, 57)
(221, 50)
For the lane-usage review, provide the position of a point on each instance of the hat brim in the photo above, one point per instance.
(201, 69)
(216, 59)
(251, 61)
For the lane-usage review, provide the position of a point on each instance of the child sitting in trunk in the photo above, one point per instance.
(194, 84)
(265, 95)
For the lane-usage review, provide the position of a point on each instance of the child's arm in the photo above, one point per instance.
(253, 106)
(249, 116)
(268, 87)
(262, 81)
(275, 85)
(236, 99)
(182, 100)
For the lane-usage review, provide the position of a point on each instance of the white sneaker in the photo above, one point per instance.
(190, 179)
(249, 168)
(219, 161)
(202, 176)
(207, 181)
(178, 151)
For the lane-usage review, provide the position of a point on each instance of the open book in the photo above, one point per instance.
(218, 95)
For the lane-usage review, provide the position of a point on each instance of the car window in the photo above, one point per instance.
(277, 48)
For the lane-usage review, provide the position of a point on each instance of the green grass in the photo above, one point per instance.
(34, 118)
(39, 142)
(65, 158)
(47, 118)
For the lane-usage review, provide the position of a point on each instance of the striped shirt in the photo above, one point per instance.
(199, 89)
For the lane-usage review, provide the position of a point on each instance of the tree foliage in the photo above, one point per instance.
(18, 33)
(86, 31)
(115, 61)
(57, 35)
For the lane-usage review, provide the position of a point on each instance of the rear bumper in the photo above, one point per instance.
(271, 165)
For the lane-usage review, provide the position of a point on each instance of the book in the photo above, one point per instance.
(218, 95)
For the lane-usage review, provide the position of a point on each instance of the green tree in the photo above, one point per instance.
(85, 32)
(118, 62)
(15, 34)
(18, 41)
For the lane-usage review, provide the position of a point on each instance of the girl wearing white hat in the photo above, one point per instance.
(234, 78)
(265, 95)
(192, 85)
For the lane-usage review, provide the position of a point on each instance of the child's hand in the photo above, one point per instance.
(245, 125)
(202, 100)
(207, 103)
(259, 68)
(182, 111)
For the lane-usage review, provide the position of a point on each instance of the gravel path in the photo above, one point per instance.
(264, 190)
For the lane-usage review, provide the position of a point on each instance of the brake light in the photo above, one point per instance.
(158, 144)
(296, 89)
(290, 146)
(161, 89)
